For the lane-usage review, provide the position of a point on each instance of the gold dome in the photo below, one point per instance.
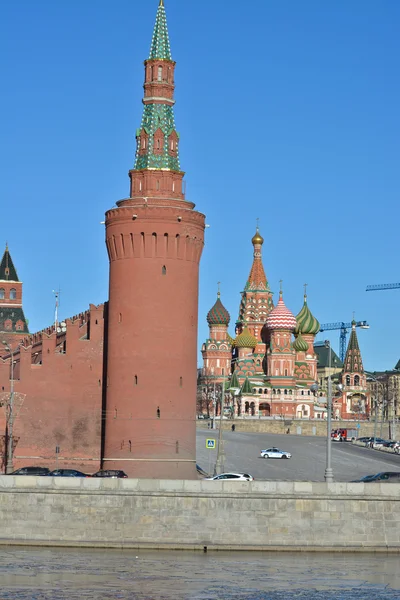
(257, 239)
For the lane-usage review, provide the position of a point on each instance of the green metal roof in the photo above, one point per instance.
(7, 269)
(160, 47)
(246, 387)
(9, 317)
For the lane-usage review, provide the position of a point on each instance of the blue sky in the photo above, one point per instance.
(287, 111)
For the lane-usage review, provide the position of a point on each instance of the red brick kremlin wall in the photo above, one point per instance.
(58, 395)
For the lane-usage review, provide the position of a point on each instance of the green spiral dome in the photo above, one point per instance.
(300, 344)
(306, 322)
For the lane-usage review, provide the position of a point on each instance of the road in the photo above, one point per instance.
(242, 451)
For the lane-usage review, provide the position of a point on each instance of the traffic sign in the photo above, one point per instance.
(210, 444)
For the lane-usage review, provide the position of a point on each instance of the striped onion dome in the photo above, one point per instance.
(280, 317)
(300, 344)
(246, 339)
(218, 315)
(306, 322)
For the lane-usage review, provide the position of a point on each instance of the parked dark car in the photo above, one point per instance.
(110, 473)
(390, 476)
(67, 473)
(31, 471)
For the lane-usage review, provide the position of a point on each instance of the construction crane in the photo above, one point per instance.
(344, 327)
(383, 286)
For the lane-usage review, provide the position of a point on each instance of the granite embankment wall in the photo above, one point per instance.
(143, 513)
(299, 426)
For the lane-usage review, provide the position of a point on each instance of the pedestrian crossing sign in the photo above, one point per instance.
(210, 444)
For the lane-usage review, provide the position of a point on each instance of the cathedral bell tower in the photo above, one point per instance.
(154, 240)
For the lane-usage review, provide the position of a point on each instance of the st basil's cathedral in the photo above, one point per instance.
(269, 368)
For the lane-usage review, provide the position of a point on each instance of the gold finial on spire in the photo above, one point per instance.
(257, 238)
(219, 290)
(6, 246)
(280, 287)
(305, 291)
(161, 3)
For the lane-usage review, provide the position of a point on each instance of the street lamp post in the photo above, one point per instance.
(10, 420)
(219, 463)
(328, 469)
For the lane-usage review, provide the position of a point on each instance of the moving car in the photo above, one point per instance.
(31, 471)
(231, 477)
(114, 473)
(389, 476)
(274, 453)
(67, 473)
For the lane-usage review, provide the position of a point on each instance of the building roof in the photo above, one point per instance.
(9, 317)
(7, 269)
(323, 358)
(160, 47)
(218, 315)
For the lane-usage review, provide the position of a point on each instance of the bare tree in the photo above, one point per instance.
(208, 393)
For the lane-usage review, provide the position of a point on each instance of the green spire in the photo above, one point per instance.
(157, 138)
(246, 387)
(160, 47)
(234, 383)
(7, 269)
(353, 361)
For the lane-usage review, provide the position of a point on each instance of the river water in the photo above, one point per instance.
(69, 574)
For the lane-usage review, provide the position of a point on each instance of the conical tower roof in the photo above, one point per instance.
(246, 387)
(218, 315)
(306, 322)
(353, 361)
(281, 317)
(234, 382)
(257, 279)
(160, 48)
(7, 269)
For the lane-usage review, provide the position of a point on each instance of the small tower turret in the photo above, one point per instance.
(356, 397)
(13, 324)
(217, 350)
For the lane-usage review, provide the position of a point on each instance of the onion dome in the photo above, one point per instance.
(306, 322)
(218, 315)
(231, 340)
(257, 238)
(280, 317)
(246, 339)
(300, 344)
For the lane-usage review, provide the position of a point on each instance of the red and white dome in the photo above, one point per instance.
(280, 317)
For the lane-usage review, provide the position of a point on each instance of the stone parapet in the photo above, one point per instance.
(186, 514)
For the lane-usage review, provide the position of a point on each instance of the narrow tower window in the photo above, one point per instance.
(164, 270)
(356, 380)
(2, 294)
(136, 380)
(180, 381)
(347, 379)
(158, 184)
(13, 294)
(159, 73)
(120, 318)
(158, 412)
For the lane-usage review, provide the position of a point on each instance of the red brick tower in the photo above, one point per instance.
(154, 240)
(13, 325)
